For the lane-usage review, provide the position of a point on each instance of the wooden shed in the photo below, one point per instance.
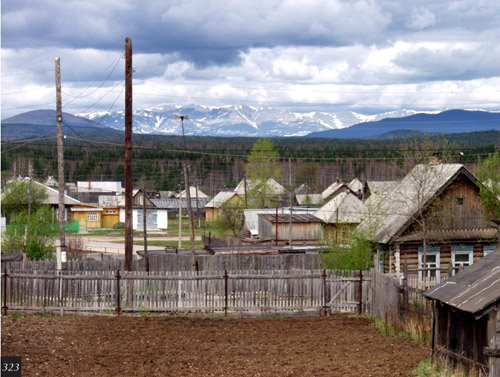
(466, 320)
(305, 227)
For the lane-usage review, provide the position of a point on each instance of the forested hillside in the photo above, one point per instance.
(217, 163)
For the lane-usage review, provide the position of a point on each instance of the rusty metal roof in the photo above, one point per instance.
(473, 289)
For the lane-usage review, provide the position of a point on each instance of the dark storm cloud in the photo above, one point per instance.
(204, 32)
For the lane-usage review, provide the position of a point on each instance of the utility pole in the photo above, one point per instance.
(291, 198)
(188, 189)
(129, 232)
(61, 250)
(145, 227)
(197, 205)
(180, 217)
(245, 182)
(26, 230)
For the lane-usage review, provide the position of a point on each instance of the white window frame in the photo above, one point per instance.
(431, 250)
(110, 212)
(461, 249)
(92, 216)
(487, 249)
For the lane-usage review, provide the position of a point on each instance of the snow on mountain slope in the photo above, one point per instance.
(235, 120)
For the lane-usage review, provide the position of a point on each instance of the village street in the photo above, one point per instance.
(116, 245)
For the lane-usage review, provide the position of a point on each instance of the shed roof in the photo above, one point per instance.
(417, 189)
(344, 208)
(285, 218)
(473, 289)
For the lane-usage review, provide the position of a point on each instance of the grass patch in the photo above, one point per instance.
(388, 329)
(428, 369)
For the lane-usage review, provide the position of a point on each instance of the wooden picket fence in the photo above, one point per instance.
(172, 262)
(317, 291)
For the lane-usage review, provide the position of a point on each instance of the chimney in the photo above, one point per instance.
(436, 159)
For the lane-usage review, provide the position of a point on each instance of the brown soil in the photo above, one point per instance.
(181, 346)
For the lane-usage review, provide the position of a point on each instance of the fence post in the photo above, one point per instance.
(324, 291)
(360, 309)
(225, 292)
(118, 308)
(4, 282)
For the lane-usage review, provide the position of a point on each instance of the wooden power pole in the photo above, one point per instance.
(60, 168)
(129, 232)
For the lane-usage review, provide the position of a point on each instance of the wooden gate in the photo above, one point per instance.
(349, 291)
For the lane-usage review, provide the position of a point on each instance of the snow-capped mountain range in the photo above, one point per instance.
(235, 120)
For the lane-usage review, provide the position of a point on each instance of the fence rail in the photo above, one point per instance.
(102, 291)
(172, 262)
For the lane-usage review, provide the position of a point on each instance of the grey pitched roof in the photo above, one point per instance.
(304, 199)
(417, 189)
(473, 289)
(53, 195)
(344, 208)
(221, 198)
(333, 189)
(272, 187)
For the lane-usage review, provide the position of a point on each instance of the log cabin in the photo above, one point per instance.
(433, 221)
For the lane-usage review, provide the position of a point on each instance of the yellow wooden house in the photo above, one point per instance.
(89, 216)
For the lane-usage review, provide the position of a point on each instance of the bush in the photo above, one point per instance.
(119, 226)
(74, 248)
(357, 255)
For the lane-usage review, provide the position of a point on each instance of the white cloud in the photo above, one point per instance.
(420, 19)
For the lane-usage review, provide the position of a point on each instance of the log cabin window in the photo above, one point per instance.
(110, 211)
(462, 256)
(460, 201)
(432, 261)
(489, 249)
(92, 216)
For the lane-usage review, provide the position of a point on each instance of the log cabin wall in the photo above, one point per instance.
(409, 252)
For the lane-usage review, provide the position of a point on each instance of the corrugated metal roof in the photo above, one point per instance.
(416, 190)
(285, 218)
(473, 289)
(344, 208)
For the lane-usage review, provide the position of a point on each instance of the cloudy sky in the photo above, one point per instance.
(368, 56)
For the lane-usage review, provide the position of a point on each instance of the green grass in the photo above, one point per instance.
(388, 329)
(427, 369)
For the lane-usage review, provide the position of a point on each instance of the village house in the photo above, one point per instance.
(334, 189)
(274, 193)
(340, 216)
(157, 218)
(433, 220)
(223, 198)
(53, 201)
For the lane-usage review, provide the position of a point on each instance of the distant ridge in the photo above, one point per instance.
(43, 122)
(451, 121)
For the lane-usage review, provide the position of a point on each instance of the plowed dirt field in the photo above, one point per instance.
(182, 346)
